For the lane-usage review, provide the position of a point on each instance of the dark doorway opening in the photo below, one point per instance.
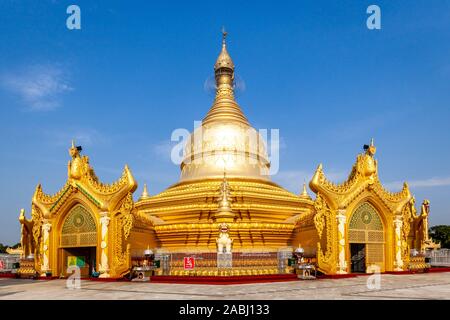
(83, 257)
(358, 254)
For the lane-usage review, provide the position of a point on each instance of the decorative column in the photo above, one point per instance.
(104, 266)
(46, 228)
(398, 263)
(342, 262)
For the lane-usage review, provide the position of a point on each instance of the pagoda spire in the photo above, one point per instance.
(304, 194)
(225, 108)
(144, 194)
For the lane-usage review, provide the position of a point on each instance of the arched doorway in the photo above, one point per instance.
(366, 239)
(78, 241)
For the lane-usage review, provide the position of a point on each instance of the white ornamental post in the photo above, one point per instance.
(104, 266)
(342, 262)
(398, 223)
(46, 228)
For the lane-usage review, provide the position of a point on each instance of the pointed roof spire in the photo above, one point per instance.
(225, 108)
(304, 194)
(224, 36)
(224, 60)
(372, 149)
(144, 194)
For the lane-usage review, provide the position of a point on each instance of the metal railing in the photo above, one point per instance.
(439, 258)
(8, 261)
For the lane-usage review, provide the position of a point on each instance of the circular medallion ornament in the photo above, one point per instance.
(103, 245)
(78, 220)
(366, 217)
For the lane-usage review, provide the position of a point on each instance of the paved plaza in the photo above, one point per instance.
(418, 286)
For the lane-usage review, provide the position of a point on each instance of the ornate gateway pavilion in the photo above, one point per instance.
(224, 215)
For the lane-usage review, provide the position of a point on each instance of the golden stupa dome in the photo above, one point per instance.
(225, 141)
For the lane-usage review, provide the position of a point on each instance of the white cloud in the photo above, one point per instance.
(39, 86)
(425, 183)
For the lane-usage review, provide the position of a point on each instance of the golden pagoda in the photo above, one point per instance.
(223, 199)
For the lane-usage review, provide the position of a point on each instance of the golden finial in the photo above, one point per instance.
(224, 60)
(304, 193)
(73, 151)
(224, 36)
(145, 194)
(372, 149)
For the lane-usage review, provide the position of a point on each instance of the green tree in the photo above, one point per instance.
(4, 247)
(441, 234)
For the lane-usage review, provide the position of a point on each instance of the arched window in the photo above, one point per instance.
(79, 229)
(366, 227)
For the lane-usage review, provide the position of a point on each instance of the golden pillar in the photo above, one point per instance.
(46, 228)
(398, 263)
(342, 262)
(104, 266)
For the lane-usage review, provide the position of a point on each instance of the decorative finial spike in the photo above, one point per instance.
(145, 194)
(73, 143)
(224, 36)
(372, 142)
(304, 190)
(304, 193)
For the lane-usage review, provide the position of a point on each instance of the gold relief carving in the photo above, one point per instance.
(337, 188)
(409, 213)
(42, 197)
(122, 226)
(209, 226)
(325, 258)
(108, 188)
(80, 169)
(37, 218)
(127, 216)
(390, 197)
(363, 176)
(319, 218)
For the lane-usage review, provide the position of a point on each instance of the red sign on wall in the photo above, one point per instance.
(189, 263)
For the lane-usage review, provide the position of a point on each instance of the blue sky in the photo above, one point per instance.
(137, 70)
